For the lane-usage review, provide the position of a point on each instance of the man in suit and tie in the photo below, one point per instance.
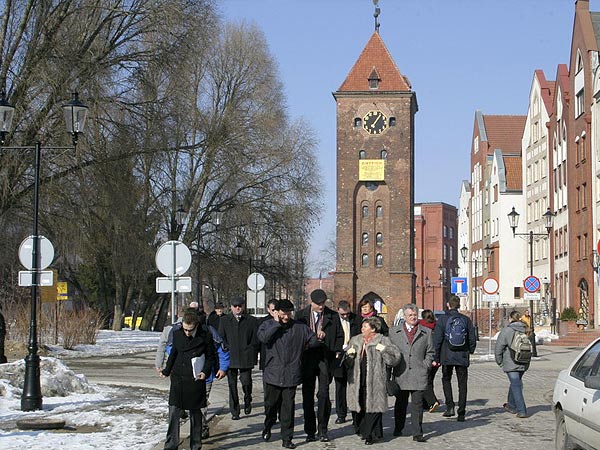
(318, 363)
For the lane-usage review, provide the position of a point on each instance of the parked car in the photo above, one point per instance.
(576, 402)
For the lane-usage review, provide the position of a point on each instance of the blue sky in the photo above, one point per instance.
(460, 56)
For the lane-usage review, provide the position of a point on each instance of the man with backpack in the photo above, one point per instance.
(513, 353)
(454, 339)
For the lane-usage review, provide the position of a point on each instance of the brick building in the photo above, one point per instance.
(375, 182)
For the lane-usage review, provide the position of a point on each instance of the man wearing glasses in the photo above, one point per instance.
(193, 351)
(238, 330)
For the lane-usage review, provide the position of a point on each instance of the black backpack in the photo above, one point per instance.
(456, 332)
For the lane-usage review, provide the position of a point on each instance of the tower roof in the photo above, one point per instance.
(375, 58)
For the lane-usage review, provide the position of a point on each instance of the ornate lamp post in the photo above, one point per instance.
(513, 219)
(75, 114)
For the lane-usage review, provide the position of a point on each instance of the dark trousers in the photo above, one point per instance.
(462, 374)
(400, 407)
(246, 381)
(341, 406)
(280, 400)
(312, 370)
(172, 440)
(429, 394)
(273, 410)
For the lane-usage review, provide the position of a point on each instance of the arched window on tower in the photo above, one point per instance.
(392, 121)
(362, 155)
(357, 122)
(379, 238)
(379, 260)
(384, 154)
(365, 211)
(365, 238)
(379, 211)
(365, 260)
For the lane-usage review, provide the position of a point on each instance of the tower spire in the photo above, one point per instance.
(376, 15)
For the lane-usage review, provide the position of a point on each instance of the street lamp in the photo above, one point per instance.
(75, 114)
(513, 220)
(464, 251)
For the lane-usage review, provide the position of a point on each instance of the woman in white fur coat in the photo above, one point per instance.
(368, 355)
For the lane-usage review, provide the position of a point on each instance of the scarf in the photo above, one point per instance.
(371, 314)
(412, 333)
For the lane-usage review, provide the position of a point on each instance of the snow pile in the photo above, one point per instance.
(110, 342)
(56, 379)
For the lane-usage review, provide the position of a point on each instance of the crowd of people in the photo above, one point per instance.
(311, 347)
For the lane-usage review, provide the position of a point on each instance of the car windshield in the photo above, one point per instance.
(586, 363)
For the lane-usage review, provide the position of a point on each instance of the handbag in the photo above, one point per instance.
(391, 386)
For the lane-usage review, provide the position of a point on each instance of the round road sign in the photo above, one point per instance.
(45, 257)
(490, 286)
(173, 258)
(255, 281)
(532, 284)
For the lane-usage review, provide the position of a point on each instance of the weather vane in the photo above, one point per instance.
(376, 15)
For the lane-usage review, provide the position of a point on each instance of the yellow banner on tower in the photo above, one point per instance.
(371, 170)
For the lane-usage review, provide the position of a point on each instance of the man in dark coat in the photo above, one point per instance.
(351, 326)
(318, 363)
(214, 318)
(285, 340)
(193, 351)
(454, 359)
(2, 338)
(238, 330)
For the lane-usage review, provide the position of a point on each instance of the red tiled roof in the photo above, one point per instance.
(504, 133)
(376, 56)
(514, 173)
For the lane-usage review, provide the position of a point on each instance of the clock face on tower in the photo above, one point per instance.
(374, 122)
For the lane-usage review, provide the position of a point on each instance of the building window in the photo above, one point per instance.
(445, 231)
(379, 211)
(365, 260)
(451, 236)
(357, 122)
(379, 260)
(362, 155)
(379, 238)
(392, 121)
(579, 103)
(451, 255)
(384, 154)
(517, 292)
(365, 211)
(445, 252)
(365, 238)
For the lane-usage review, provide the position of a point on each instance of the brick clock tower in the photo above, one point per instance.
(375, 183)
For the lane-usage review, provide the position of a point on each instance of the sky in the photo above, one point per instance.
(460, 56)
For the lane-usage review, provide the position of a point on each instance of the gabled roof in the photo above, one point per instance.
(547, 89)
(513, 172)
(504, 132)
(375, 56)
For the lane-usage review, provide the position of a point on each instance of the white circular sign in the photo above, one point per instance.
(490, 286)
(45, 256)
(255, 281)
(173, 258)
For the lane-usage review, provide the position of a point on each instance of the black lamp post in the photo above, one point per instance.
(513, 220)
(75, 114)
(464, 251)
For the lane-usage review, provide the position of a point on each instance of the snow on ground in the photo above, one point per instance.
(97, 417)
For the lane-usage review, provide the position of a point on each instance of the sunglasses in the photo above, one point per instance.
(188, 330)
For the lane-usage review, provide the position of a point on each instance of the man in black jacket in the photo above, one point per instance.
(285, 340)
(454, 358)
(318, 363)
(351, 324)
(238, 330)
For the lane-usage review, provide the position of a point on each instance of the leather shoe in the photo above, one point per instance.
(522, 416)
(266, 434)
(311, 438)
(449, 412)
(235, 417)
(340, 420)
(247, 409)
(369, 441)
(419, 438)
(323, 437)
(507, 408)
(397, 432)
(205, 432)
(288, 444)
(461, 418)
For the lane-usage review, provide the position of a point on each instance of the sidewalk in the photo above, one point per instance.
(218, 401)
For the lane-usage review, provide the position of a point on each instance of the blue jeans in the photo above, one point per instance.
(516, 401)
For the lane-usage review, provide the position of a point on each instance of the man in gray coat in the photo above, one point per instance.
(416, 348)
(514, 370)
